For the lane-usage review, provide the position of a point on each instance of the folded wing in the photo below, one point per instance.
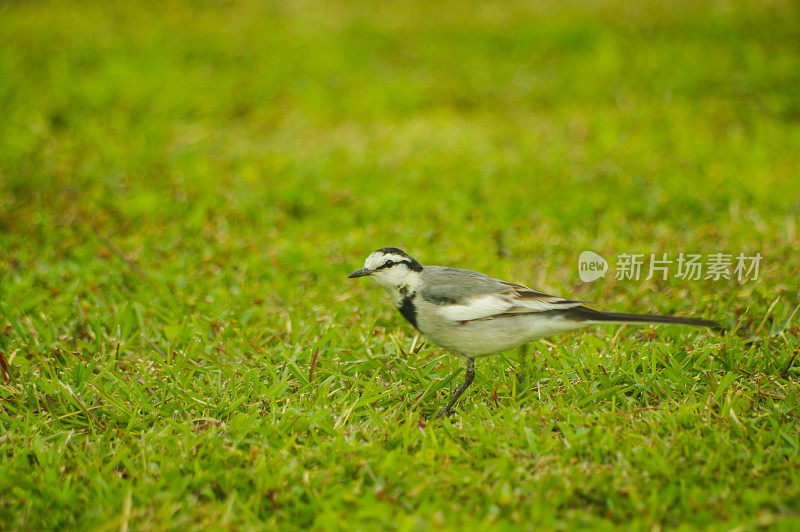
(466, 296)
(496, 305)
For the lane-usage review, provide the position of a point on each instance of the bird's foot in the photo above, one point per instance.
(445, 413)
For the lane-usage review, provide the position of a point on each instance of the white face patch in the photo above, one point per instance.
(390, 270)
(378, 259)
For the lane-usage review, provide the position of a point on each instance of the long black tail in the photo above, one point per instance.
(587, 314)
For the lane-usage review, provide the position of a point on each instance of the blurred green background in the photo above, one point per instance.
(184, 187)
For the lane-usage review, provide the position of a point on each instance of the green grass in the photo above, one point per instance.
(184, 188)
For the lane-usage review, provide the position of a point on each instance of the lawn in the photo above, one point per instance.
(184, 187)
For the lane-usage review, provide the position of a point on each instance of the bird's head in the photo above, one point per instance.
(391, 268)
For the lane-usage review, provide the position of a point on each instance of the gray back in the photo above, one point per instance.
(444, 285)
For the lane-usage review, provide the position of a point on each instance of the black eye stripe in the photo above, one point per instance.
(390, 263)
(410, 264)
(386, 264)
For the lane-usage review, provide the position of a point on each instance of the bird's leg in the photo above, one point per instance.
(522, 374)
(468, 376)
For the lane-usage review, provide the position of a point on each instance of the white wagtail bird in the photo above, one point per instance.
(473, 315)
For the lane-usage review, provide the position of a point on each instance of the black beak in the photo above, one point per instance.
(359, 273)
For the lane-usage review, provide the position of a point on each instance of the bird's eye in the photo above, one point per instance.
(388, 263)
